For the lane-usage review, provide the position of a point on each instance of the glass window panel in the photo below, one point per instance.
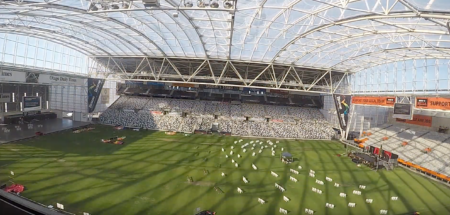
(8, 58)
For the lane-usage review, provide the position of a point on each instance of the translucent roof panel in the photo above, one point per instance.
(346, 35)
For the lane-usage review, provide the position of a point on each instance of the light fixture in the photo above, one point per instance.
(228, 4)
(188, 3)
(213, 4)
(69, 114)
(92, 7)
(105, 7)
(201, 4)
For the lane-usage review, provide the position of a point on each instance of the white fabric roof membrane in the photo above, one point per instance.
(345, 35)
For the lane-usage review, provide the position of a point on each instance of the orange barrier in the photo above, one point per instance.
(385, 138)
(361, 145)
(404, 143)
(427, 171)
(361, 140)
(370, 133)
(428, 149)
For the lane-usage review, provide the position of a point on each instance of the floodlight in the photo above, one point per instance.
(105, 7)
(201, 4)
(92, 7)
(188, 3)
(69, 114)
(213, 4)
(228, 4)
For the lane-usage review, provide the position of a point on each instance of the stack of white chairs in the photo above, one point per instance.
(316, 190)
(261, 201)
(309, 211)
(253, 154)
(328, 205)
(383, 211)
(293, 179)
(299, 167)
(223, 174)
(362, 187)
(394, 198)
(319, 182)
(329, 179)
(283, 211)
(239, 190)
(279, 187)
(274, 174)
(236, 165)
(351, 204)
(254, 167)
(294, 171)
(336, 184)
(342, 195)
(286, 199)
(369, 201)
(312, 175)
(357, 192)
(244, 179)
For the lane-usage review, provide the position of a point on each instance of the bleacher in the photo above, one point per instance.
(166, 114)
(410, 145)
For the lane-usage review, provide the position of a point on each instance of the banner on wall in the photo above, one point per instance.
(403, 111)
(5, 97)
(418, 120)
(60, 80)
(31, 103)
(12, 76)
(371, 100)
(105, 96)
(95, 86)
(342, 103)
(433, 103)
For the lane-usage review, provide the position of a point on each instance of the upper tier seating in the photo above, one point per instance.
(137, 112)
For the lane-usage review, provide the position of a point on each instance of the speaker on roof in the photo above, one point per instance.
(151, 3)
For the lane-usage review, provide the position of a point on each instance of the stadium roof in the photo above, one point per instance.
(339, 35)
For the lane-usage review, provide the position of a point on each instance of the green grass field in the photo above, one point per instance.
(148, 175)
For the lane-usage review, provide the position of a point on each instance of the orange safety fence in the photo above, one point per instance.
(428, 149)
(361, 145)
(433, 173)
(385, 138)
(404, 143)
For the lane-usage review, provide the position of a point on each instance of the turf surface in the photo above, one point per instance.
(148, 175)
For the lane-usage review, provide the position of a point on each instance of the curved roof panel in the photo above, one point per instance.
(346, 35)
